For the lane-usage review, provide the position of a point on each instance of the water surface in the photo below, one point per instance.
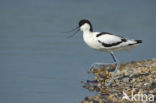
(39, 65)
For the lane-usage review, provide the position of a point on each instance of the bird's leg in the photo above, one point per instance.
(116, 69)
(95, 65)
(116, 61)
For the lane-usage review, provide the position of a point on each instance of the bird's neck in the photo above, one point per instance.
(87, 34)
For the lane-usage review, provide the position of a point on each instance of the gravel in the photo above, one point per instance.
(136, 77)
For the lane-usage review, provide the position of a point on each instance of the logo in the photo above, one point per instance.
(138, 97)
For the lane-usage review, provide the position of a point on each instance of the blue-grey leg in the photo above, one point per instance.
(116, 69)
(95, 65)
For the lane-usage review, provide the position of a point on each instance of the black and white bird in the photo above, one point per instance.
(105, 42)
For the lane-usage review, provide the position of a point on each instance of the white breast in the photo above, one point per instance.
(91, 41)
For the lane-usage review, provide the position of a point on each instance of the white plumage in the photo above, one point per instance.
(109, 39)
(95, 42)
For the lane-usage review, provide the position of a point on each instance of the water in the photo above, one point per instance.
(39, 65)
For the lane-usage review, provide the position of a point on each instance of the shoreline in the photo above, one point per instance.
(136, 78)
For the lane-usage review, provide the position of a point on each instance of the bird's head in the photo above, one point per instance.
(85, 25)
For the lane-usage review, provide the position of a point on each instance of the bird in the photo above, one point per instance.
(105, 42)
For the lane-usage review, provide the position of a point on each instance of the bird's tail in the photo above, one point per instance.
(138, 41)
(133, 42)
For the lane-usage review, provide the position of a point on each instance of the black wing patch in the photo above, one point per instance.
(102, 33)
(112, 44)
(109, 45)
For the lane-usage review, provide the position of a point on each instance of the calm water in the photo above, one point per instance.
(39, 65)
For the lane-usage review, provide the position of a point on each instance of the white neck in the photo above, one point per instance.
(86, 31)
(87, 35)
